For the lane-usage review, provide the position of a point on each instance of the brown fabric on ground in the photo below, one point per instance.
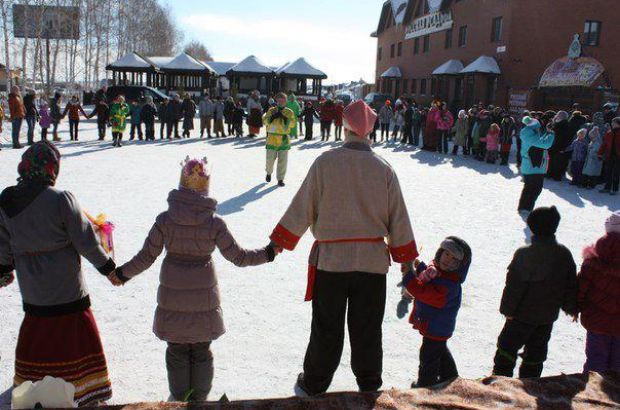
(589, 391)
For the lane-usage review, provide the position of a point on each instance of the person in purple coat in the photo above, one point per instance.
(579, 149)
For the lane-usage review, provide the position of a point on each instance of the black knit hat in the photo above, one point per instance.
(544, 221)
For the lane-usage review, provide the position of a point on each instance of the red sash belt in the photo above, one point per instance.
(314, 260)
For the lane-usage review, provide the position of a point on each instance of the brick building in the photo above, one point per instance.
(504, 52)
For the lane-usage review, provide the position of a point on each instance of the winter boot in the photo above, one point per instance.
(268, 178)
(280, 183)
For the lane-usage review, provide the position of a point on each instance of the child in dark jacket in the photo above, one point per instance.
(541, 280)
(309, 114)
(238, 115)
(599, 292)
(102, 111)
(437, 292)
(147, 116)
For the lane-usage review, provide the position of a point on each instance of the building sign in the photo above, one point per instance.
(517, 101)
(54, 22)
(568, 72)
(431, 23)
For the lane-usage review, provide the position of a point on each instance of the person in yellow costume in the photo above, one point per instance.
(279, 122)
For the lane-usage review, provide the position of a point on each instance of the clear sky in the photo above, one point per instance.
(333, 35)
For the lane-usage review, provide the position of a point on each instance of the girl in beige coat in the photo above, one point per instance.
(188, 315)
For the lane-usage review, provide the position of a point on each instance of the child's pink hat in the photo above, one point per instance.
(359, 118)
(612, 225)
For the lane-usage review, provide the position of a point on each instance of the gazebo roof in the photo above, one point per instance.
(484, 65)
(450, 67)
(250, 65)
(160, 61)
(219, 67)
(185, 62)
(301, 68)
(131, 61)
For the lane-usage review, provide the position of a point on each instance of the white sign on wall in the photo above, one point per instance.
(431, 23)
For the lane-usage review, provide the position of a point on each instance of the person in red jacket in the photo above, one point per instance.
(610, 153)
(338, 115)
(74, 108)
(326, 112)
(599, 292)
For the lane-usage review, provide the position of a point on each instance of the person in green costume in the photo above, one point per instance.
(294, 106)
(119, 110)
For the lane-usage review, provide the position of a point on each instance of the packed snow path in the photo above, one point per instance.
(268, 323)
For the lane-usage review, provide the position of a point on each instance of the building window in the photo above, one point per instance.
(388, 86)
(449, 38)
(462, 36)
(416, 46)
(400, 49)
(592, 33)
(414, 86)
(423, 86)
(379, 54)
(405, 86)
(433, 87)
(496, 32)
(392, 49)
(427, 44)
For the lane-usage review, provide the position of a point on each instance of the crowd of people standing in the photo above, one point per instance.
(585, 147)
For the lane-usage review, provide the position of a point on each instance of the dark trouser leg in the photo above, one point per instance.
(416, 135)
(455, 149)
(201, 375)
(31, 120)
(101, 127)
(55, 131)
(365, 317)
(140, 135)
(504, 157)
(43, 134)
(613, 175)
(77, 129)
(162, 129)
(309, 130)
(132, 132)
(16, 126)
(169, 127)
(447, 370)
(513, 337)
(431, 354)
(535, 352)
(532, 187)
(443, 142)
(598, 353)
(327, 334)
(178, 364)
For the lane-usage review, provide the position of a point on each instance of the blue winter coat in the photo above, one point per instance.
(134, 111)
(532, 137)
(437, 303)
(579, 149)
(593, 166)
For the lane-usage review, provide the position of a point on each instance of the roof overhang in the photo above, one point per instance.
(450, 67)
(483, 65)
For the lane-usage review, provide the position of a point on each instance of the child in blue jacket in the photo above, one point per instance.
(437, 292)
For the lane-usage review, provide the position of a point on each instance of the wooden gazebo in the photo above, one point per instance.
(294, 77)
(187, 73)
(249, 75)
(134, 69)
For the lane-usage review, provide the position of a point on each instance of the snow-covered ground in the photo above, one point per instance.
(268, 322)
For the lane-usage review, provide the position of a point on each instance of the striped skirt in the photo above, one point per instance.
(67, 347)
